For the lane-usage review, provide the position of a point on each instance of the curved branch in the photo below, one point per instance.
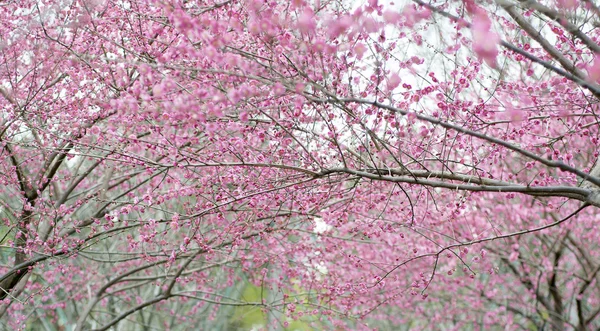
(537, 36)
(594, 88)
(560, 19)
(478, 241)
(553, 164)
(484, 185)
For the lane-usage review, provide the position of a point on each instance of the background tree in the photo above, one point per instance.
(290, 165)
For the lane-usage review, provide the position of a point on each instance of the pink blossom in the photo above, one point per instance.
(391, 16)
(338, 26)
(393, 81)
(485, 42)
(594, 69)
(306, 21)
(567, 4)
(360, 50)
(243, 117)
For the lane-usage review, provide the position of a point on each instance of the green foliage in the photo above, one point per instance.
(248, 317)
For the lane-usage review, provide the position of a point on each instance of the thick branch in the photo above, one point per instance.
(553, 164)
(594, 88)
(560, 19)
(475, 184)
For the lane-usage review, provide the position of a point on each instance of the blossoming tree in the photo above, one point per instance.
(299, 164)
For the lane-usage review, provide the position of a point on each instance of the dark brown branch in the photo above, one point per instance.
(552, 164)
(473, 183)
(594, 88)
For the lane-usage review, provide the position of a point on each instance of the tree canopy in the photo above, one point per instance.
(299, 165)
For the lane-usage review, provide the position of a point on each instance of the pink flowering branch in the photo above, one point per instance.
(553, 164)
